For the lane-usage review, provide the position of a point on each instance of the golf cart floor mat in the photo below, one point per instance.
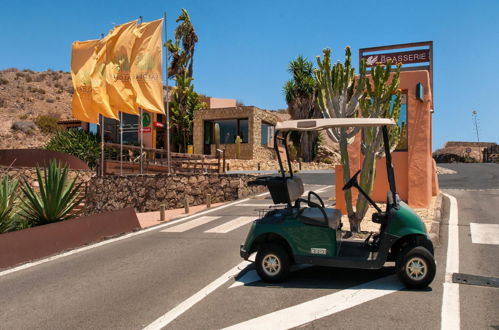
(356, 249)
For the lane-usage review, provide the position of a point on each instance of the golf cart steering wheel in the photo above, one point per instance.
(310, 193)
(352, 182)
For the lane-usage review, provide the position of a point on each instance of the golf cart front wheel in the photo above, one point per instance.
(416, 267)
(272, 263)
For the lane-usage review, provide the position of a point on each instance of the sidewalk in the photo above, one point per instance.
(149, 219)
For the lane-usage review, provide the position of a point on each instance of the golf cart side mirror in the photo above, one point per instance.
(352, 182)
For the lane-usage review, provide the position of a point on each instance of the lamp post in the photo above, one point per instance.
(475, 123)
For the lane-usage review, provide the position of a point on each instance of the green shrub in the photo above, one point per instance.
(47, 124)
(78, 143)
(8, 203)
(55, 201)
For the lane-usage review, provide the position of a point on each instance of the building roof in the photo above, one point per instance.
(320, 124)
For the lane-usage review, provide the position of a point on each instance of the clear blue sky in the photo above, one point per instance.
(245, 46)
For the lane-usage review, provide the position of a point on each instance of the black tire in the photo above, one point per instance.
(415, 267)
(272, 263)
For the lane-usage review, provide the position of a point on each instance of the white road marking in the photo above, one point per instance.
(324, 306)
(484, 233)
(190, 225)
(255, 205)
(450, 301)
(109, 241)
(165, 319)
(231, 225)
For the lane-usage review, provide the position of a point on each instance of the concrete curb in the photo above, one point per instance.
(437, 219)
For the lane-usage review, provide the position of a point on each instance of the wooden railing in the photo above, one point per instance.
(155, 161)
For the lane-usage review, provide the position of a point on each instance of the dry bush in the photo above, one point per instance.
(4, 81)
(47, 123)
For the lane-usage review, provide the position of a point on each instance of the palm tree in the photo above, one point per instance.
(182, 49)
(300, 94)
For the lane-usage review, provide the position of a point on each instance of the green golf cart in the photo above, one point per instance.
(304, 231)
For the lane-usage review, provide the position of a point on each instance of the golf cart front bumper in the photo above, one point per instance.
(244, 254)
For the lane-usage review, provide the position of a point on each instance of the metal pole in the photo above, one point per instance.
(121, 143)
(102, 146)
(167, 102)
(141, 138)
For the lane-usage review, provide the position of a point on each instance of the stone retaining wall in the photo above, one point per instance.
(269, 165)
(29, 173)
(146, 193)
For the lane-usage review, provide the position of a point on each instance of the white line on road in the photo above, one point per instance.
(231, 225)
(484, 233)
(255, 205)
(109, 241)
(164, 320)
(190, 225)
(324, 306)
(450, 300)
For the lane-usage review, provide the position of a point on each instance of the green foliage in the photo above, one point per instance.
(184, 101)
(58, 196)
(339, 94)
(181, 51)
(300, 93)
(8, 203)
(47, 124)
(78, 143)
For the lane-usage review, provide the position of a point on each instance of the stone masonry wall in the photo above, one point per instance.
(29, 173)
(146, 193)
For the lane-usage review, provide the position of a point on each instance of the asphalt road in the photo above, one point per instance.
(179, 275)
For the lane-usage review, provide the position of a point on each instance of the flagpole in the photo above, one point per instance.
(167, 101)
(102, 145)
(141, 139)
(121, 143)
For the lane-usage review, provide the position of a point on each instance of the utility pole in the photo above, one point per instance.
(475, 123)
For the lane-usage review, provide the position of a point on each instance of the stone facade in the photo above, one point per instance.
(147, 193)
(251, 150)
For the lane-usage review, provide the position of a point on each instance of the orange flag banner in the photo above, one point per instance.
(146, 75)
(82, 64)
(99, 87)
(117, 74)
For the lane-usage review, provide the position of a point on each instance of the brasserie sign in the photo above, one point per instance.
(407, 57)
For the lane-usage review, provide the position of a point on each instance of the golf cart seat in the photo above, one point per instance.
(314, 216)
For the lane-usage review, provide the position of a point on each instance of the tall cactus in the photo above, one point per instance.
(216, 133)
(377, 103)
(339, 94)
(238, 146)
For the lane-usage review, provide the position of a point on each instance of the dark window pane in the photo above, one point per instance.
(243, 130)
(130, 121)
(131, 138)
(228, 130)
(265, 133)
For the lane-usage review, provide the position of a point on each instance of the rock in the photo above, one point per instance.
(25, 126)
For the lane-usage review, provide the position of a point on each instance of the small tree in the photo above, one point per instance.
(78, 143)
(339, 94)
(300, 93)
(382, 100)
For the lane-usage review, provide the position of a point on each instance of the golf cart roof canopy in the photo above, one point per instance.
(320, 124)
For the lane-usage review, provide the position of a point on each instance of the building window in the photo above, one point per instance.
(402, 122)
(229, 129)
(267, 134)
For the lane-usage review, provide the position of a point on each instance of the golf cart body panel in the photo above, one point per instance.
(404, 221)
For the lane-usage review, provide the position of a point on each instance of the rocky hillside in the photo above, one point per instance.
(28, 98)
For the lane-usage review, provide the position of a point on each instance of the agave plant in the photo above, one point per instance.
(57, 198)
(8, 202)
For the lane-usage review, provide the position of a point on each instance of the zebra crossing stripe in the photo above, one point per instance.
(231, 225)
(189, 225)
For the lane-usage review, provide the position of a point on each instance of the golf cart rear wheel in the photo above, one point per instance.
(272, 263)
(416, 267)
